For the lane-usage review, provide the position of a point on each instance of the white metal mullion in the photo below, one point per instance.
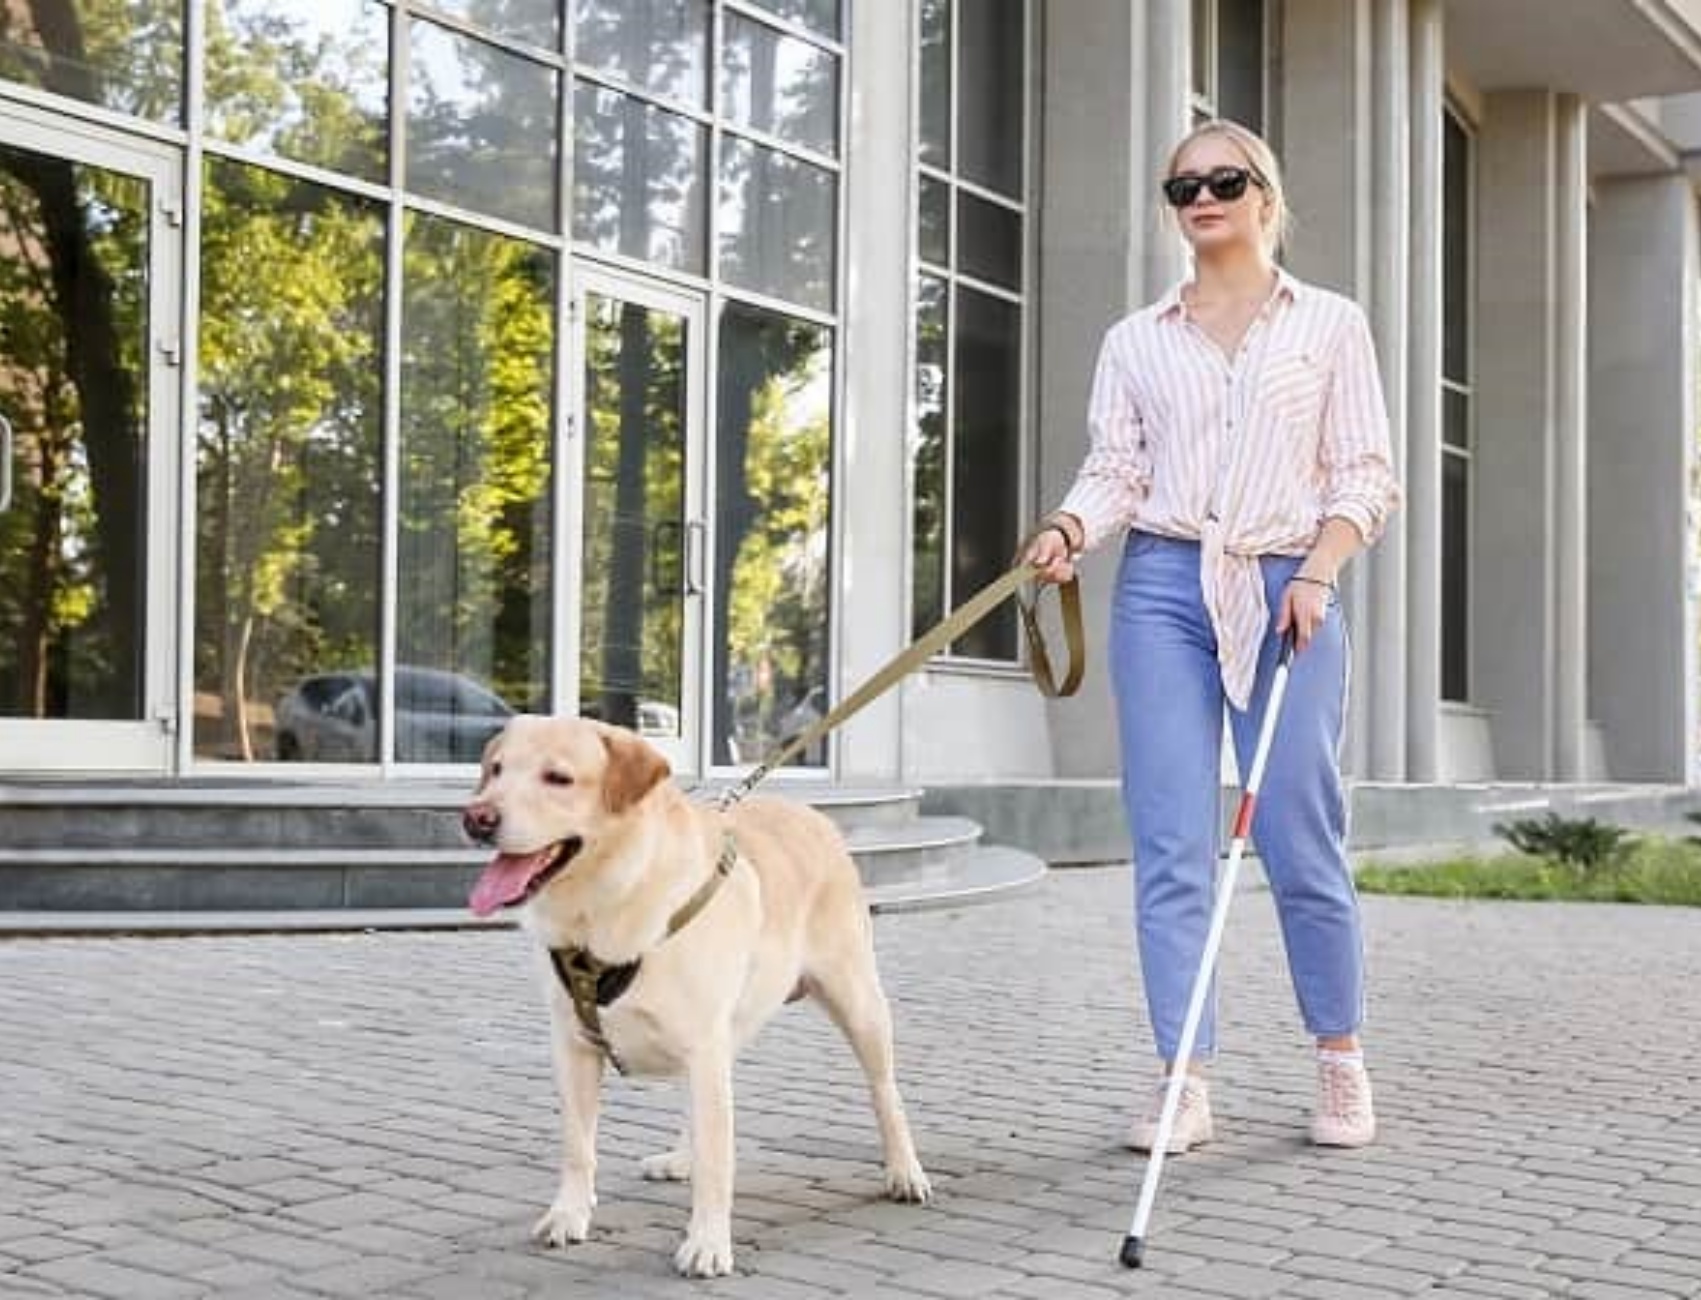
(283, 166)
(948, 447)
(708, 459)
(570, 498)
(1025, 395)
(1016, 205)
(96, 115)
(778, 144)
(1013, 296)
(395, 225)
(837, 464)
(744, 9)
(189, 313)
(620, 86)
(712, 182)
(485, 36)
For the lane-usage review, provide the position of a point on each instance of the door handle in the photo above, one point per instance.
(696, 557)
(5, 464)
(664, 555)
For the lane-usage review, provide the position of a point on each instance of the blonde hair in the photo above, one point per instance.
(1278, 217)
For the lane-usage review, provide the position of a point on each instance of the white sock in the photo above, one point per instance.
(1334, 1056)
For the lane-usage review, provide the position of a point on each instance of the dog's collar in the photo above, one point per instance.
(592, 983)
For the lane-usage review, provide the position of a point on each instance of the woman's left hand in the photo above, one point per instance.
(1305, 604)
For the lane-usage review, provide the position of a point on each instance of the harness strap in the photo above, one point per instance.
(592, 983)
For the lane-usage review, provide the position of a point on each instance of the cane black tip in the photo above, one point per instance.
(1132, 1249)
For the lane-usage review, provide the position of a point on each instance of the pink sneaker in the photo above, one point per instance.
(1345, 1117)
(1192, 1119)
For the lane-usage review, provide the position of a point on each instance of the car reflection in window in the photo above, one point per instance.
(441, 717)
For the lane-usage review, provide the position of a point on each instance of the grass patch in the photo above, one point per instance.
(1650, 870)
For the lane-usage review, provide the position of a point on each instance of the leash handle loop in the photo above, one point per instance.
(930, 643)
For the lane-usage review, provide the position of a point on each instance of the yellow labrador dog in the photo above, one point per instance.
(682, 930)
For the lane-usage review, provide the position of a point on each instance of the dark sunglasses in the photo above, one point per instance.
(1225, 183)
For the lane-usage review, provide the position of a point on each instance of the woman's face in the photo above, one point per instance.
(1215, 225)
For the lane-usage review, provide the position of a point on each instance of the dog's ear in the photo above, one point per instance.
(634, 768)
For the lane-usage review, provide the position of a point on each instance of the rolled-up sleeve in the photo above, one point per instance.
(1116, 474)
(1355, 454)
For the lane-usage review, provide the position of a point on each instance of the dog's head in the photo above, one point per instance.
(551, 788)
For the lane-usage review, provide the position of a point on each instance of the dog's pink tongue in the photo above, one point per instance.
(505, 880)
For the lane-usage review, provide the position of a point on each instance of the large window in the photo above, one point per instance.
(288, 520)
(707, 146)
(970, 311)
(691, 115)
(1230, 44)
(1457, 247)
(392, 196)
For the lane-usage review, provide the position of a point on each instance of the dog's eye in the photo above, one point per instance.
(557, 778)
(496, 768)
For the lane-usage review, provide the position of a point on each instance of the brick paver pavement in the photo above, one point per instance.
(289, 1116)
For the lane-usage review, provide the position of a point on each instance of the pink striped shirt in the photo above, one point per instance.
(1247, 454)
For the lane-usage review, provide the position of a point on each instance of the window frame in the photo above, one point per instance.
(1205, 101)
(1462, 388)
(1022, 298)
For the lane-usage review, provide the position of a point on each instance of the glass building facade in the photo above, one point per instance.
(374, 370)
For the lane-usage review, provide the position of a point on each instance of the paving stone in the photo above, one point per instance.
(281, 1118)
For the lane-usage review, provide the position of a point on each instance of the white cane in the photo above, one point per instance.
(1134, 1244)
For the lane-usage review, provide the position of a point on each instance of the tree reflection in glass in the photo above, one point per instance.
(126, 56)
(73, 387)
(288, 477)
(482, 126)
(638, 179)
(772, 493)
(304, 79)
(473, 547)
(632, 634)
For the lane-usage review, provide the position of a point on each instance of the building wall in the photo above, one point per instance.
(1584, 403)
(1642, 337)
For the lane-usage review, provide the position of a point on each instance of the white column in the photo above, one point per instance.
(871, 501)
(1570, 478)
(1115, 103)
(1167, 73)
(1513, 628)
(1391, 108)
(1326, 153)
(1642, 459)
(1423, 399)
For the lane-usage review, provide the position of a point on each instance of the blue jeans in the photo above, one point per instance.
(1170, 707)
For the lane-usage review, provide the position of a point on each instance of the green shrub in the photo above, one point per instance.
(1581, 843)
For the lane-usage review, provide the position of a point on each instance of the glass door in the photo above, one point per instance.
(642, 541)
(89, 280)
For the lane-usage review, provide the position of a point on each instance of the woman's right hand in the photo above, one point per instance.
(1051, 552)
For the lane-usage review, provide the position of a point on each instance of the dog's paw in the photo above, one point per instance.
(562, 1224)
(705, 1254)
(668, 1167)
(908, 1183)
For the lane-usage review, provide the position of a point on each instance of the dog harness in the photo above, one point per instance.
(592, 983)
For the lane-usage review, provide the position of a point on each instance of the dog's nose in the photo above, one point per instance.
(480, 821)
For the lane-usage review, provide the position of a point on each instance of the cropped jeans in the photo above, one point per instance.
(1170, 707)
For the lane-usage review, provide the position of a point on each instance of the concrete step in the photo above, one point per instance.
(981, 875)
(200, 813)
(906, 856)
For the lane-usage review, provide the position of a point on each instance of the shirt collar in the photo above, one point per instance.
(1288, 288)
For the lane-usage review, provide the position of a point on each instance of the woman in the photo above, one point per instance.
(1240, 446)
